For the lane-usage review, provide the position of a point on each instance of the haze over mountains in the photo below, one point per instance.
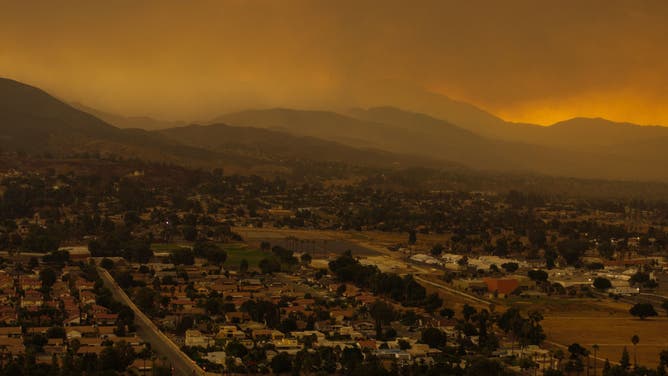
(33, 121)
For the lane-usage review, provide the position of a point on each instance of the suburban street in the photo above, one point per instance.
(181, 364)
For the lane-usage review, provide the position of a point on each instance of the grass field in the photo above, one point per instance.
(235, 253)
(239, 251)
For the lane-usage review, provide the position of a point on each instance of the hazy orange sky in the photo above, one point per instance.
(535, 61)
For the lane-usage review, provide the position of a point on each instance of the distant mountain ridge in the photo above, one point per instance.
(34, 121)
(407, 132)
(139, 122)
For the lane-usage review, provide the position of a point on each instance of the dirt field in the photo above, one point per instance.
(320, 244)
(611, 331)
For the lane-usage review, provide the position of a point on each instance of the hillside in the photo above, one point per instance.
(276, 146)
(139, 122)
(413, 133)
(35, 122)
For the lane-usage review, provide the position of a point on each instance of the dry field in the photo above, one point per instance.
(611, 327)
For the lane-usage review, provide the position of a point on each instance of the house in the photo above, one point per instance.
(394, 354)
(367, 344)
(182, 304)
(216, 357)
(87, 297)
(32, 299)
(84, 285)
(104, 318)
(288, 345)
(230, 332)
(267, 334)
(12, 345)
(6, 281)
(319, 336)
(72, 332)
(10, 332)
(196, 338)
(142, 366)
(29, 282)
(237, 317)
(340, 314)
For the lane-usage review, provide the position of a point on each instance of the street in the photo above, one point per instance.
(182, 365)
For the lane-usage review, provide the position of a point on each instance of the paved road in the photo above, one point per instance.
(182, 365)
(454, 291)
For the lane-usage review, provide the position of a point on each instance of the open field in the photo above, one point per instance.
(235, 252)
(168, 247)
(611, 332)
(605, 322)
(320, 244)
(239, 251)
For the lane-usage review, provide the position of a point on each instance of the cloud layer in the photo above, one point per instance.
(523, 60)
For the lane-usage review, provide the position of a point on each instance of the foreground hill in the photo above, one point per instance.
(35, 122)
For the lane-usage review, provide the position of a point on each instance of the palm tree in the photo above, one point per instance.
(635, 339)
(559, 355)
(595, 348)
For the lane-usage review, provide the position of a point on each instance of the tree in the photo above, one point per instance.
(468, 311)
(605, 249)
(48, 277)
(432, 302)
(537, 275)
(341, 289)
(351, 358)
(433, 337)
(183, 256)
(595, 347)
(382, 313)
(281, 363)
(625, 361)
(484, 366)
(510, 267)
(236, 349)
(572, 250)
(643, 310)
(634, 340)
(243, 266)
(412, 237)
(107, 263)
(437, 249)
(403, 344)
(602, 283)
(269, 265)
(447, 312)
(663, 358)
(210, 251)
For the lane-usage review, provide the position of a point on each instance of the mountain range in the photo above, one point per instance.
(458, 134)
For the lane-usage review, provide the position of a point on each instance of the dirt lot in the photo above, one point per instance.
(612, 331)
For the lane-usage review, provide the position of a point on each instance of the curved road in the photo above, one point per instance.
(182, 365)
